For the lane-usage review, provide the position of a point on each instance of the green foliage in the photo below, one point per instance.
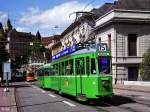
(37, 48)
(145, 67)
(20, 61)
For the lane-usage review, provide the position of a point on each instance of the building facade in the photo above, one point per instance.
(19, 43)
(53, 46)
(126, 30)
(125, 26)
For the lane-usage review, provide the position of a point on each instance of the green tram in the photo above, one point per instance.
(43, 76)
(85, 74)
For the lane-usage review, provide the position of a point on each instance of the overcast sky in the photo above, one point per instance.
(44, 15)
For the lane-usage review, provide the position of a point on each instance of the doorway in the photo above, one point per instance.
(132, 73)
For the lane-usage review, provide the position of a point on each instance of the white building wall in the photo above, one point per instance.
(83, 29)
(119, 47)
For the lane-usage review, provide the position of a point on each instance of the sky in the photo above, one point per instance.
(50, 17)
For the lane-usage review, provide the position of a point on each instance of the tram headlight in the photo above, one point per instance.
(105, 83)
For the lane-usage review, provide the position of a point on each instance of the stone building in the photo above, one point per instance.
(51, 43)
(126, 29)
(19, 43)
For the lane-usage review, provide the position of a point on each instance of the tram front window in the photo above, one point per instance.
(104, 65)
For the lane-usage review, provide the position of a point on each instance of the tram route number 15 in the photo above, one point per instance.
(102, 47)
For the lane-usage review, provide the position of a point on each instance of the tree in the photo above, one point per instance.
(145, 66)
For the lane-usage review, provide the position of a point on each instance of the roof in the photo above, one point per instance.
(102, 10)
(96, 13)
(143, 5)
(48, 40)
(45, 66)
(20, 34)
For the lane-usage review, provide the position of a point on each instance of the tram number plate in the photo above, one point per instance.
(102, 47)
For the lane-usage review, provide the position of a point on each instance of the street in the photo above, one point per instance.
(31, 98)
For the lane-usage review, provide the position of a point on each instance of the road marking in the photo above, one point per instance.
(52, 95)
(143, 97)
(36, 87)
(68, 103)
(27, 83)
(5, 109)
(43, 91)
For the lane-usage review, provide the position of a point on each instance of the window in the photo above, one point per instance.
(69, 67)
(40, 73)
(104, 65)
(87, 65)
(55, 69)
(109, 41)
(132, 44)
(80, 66)
(93, 67)
(46, 73)
(62, 68)
(132, 73)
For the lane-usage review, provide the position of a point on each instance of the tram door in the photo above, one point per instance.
(80, 71)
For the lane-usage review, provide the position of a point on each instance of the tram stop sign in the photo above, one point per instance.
(6, 71)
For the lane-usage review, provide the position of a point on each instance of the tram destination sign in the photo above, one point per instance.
(75, 47)
(98, 46)
(65, 52)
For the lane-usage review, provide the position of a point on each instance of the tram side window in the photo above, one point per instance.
(80, 66)
(46, 71)
(62, 68)
(93, 67)
(87, 65)
(40, 73)
(69, 67)
(50, 71)
(56, 69)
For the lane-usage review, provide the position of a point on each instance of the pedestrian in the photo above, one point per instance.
(0, 81)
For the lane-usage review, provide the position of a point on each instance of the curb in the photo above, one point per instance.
(13, 102)
(131, 89)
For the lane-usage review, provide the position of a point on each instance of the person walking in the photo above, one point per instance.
(0, 81)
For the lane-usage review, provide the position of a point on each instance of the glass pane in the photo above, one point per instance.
(80, 66)
(93, 67)
(104, 65)
(87, 65)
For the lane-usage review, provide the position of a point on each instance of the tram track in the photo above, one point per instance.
(20, 106)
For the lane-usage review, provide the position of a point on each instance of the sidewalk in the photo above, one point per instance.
(132, 88)
(7, 100)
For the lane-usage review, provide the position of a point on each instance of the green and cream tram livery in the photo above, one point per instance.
(84, 73)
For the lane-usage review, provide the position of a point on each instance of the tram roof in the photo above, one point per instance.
(83, 51)
(45, 66)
